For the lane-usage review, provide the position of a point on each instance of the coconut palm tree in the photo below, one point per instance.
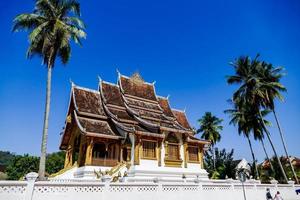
(271, 77)
(210, 127)
(260, 137)
(51, 26)
(240, 118)
(247, 121)
(252, 91)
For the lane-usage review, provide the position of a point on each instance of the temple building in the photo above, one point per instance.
(127, 123)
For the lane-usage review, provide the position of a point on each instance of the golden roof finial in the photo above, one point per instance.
(137, 78)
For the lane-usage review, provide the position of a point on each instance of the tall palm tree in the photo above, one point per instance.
(272, 87)
(210, 127)
(260, 137)
(252, 91)
(51, 26)
(247, 121)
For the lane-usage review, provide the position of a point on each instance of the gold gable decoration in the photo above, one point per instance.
(137, 78)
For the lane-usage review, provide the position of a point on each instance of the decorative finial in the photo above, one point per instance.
(153, 83)
(72, 83)
(184, 109)
(118, 71)
(136, 78)
(168, 96)
(99, 78)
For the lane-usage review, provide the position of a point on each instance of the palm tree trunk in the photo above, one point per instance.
(284, 146)
(272, 145)
(253, 157)
(263, 145)
(214, 159)
(42, 165)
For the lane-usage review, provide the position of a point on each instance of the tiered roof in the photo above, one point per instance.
(130, 106)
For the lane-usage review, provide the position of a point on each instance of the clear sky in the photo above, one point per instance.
(185, 46)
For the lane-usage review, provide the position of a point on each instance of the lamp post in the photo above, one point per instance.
(242, 177)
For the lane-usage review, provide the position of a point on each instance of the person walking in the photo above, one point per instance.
(278, 196)
(268, 195)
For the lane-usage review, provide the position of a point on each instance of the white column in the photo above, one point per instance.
(31, 178)
(132, 139)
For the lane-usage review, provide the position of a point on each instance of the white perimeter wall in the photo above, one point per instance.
(71, 190)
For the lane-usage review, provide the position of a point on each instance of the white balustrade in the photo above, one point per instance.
(96, 189)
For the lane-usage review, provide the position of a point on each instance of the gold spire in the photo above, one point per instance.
(137, 78)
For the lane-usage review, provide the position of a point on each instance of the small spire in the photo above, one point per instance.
(153, 83)
(99, 78)
(72, 83)
(184, 109)
(168, 96)
(137, 78)
(118, 71)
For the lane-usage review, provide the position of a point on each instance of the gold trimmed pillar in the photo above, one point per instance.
(132, 151)
(89, 151)
(81, 151)
(166, 150)
(69, 157)
(200, 156)
(158, 152)
(185, 152)
(137, 152)
(128, 158)
(70, 149)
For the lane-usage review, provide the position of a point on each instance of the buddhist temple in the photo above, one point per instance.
(128, 124)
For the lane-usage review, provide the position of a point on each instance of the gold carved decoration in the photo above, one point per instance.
(173, 163)
(89, 151)
(69, 118)
(136, 78)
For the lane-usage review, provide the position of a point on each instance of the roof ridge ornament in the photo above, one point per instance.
(99, 78)
(137, 78)
(72, 83)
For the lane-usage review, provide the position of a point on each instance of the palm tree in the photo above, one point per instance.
(210, 128)
(247, 121)
(239, 116)
(51, 26)
(259, 134)
(271, 77)
(252, 91)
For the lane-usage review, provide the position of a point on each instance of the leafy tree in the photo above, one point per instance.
(21, 165)
(268, 174)
(3, 176)
(252, 91)
(52, 25)
(210, 127)
(55, 162)
(5, 157)
(224, 165)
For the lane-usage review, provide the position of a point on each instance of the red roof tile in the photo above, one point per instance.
(182, 119)
(137, 88)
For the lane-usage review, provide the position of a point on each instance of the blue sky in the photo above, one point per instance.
(185, 46)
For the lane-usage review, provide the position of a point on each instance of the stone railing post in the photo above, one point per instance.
(291, 183)
(31, 178)
(274, 182)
